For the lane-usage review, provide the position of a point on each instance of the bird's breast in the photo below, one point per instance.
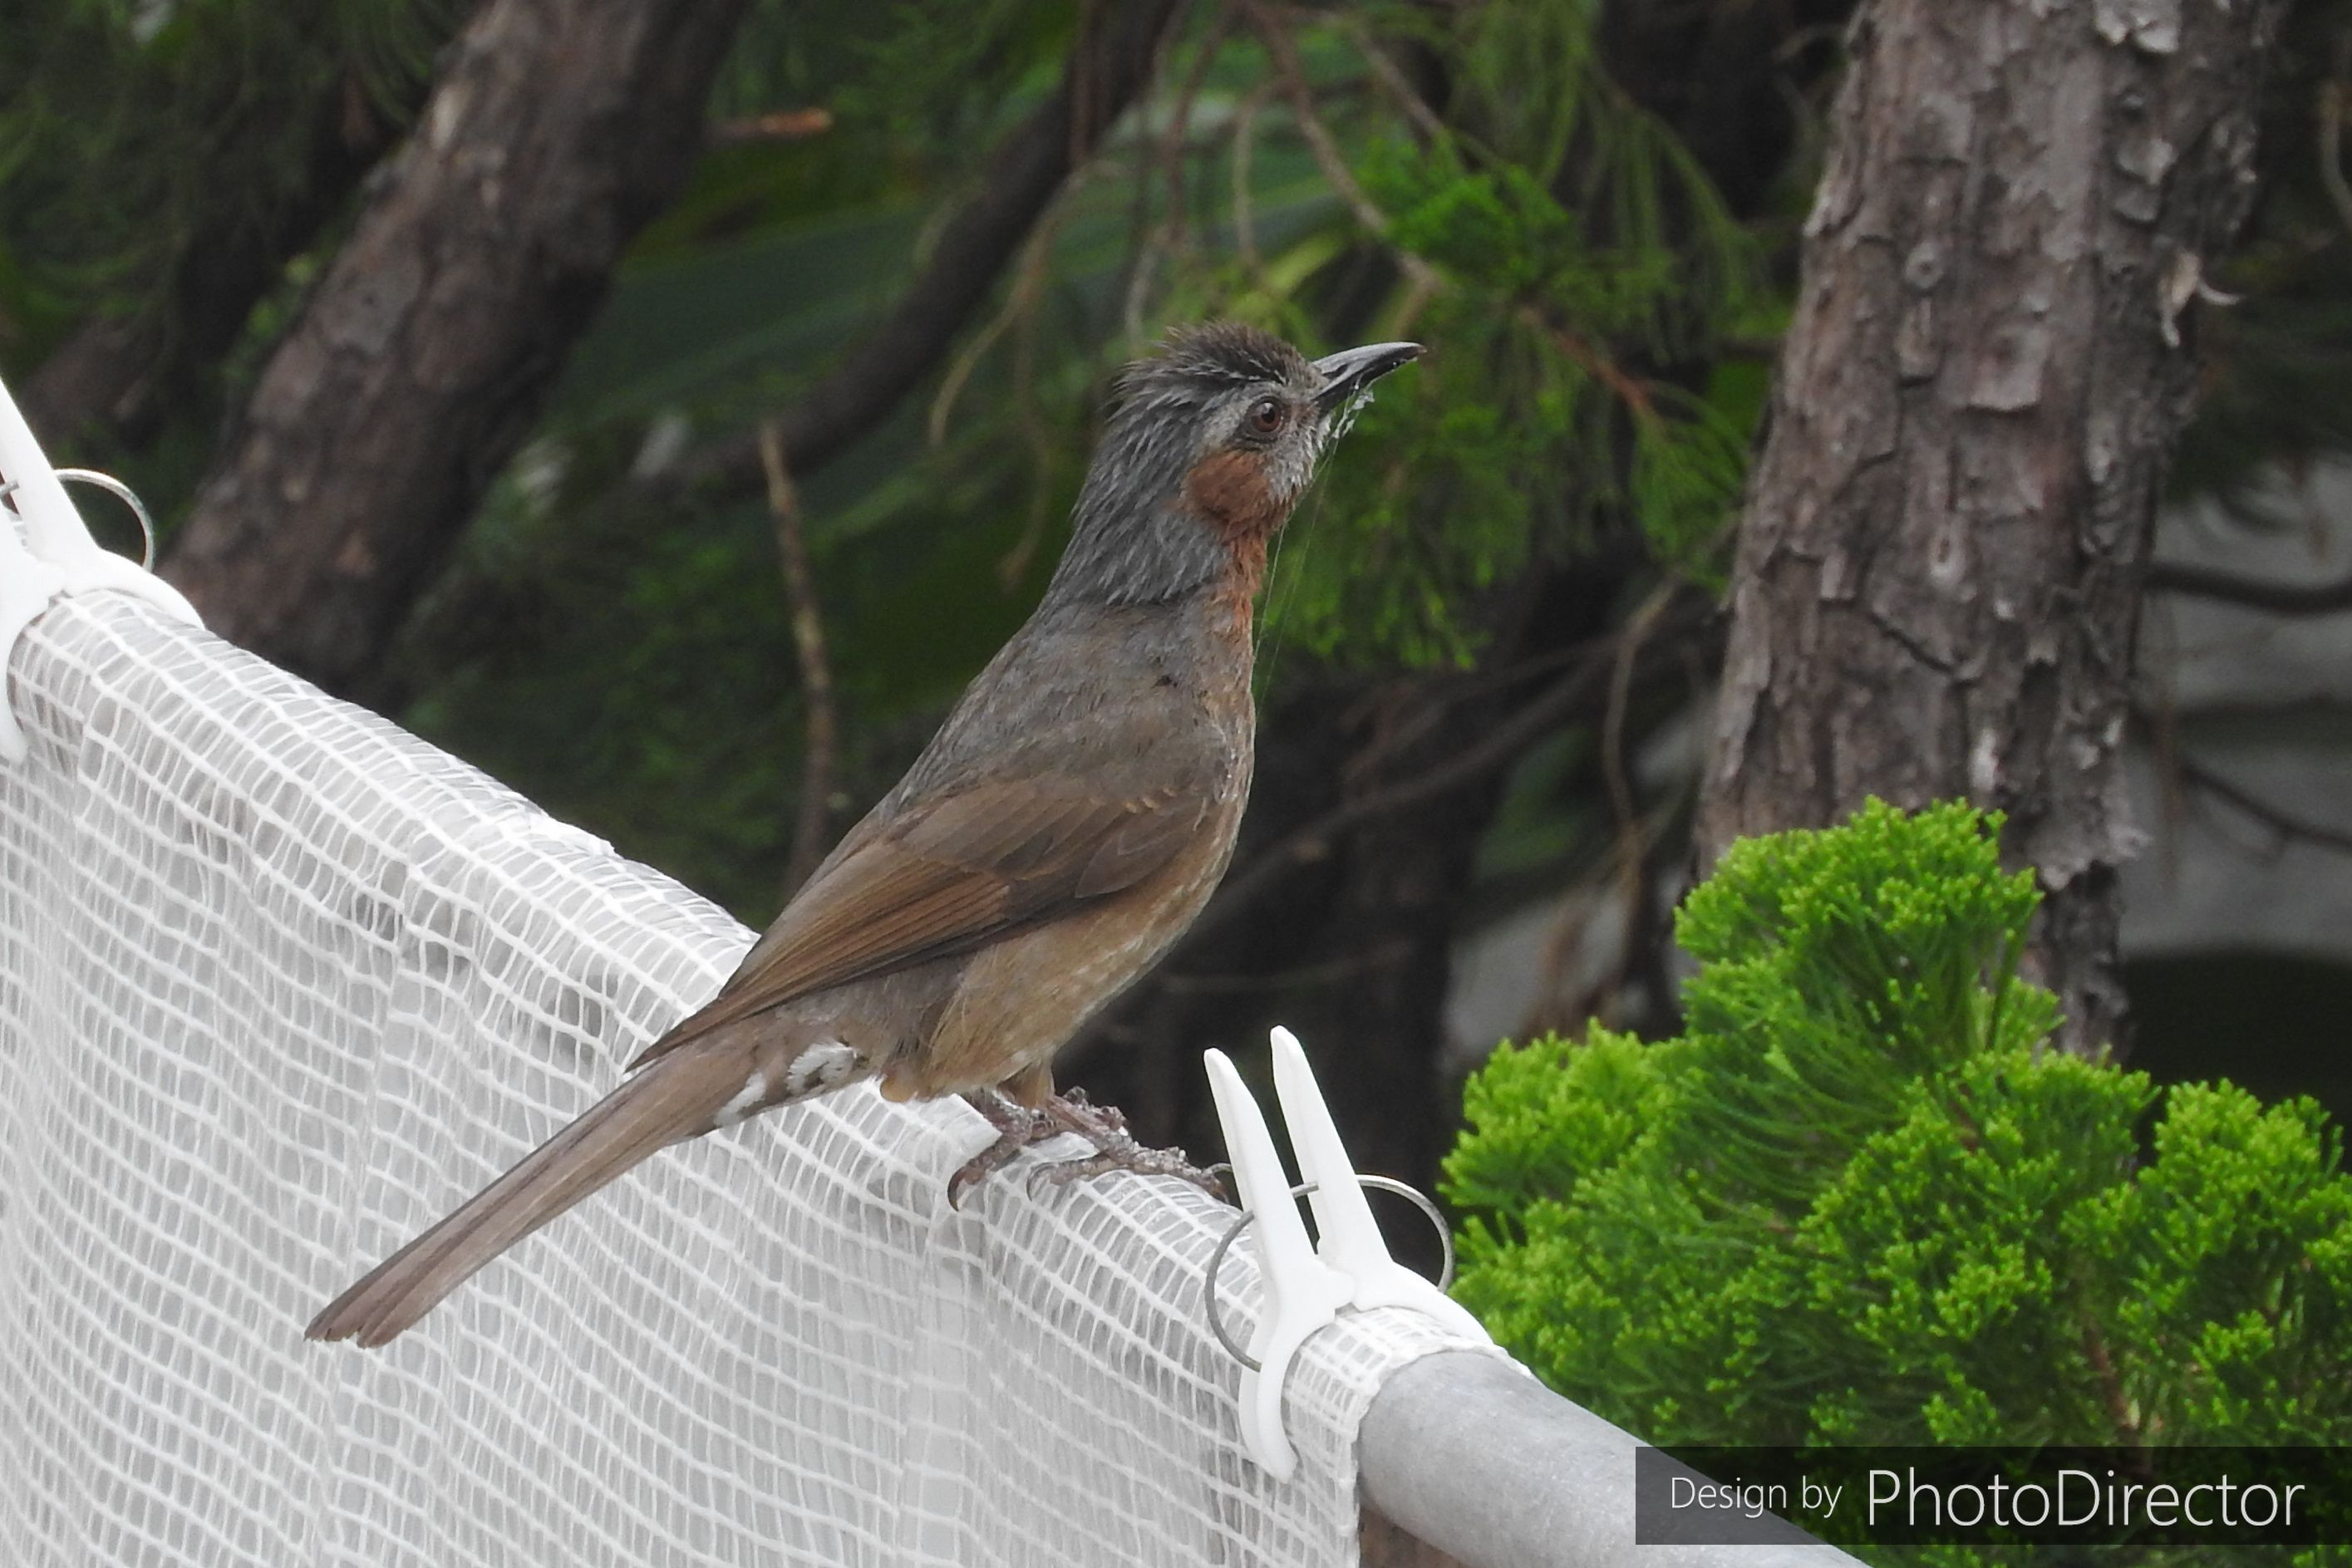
(1019, 1000)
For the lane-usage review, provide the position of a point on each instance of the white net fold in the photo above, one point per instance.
(280, 984)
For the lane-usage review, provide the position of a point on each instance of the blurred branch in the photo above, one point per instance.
(1595, 363)
(1029, 280)
(783, 125)
(1284, 52)
(1176, 144)
(2280, 598)
(2278, 819)
(1109, 68)
(1572, 693)
(1633, 844)
(812, 834)
(1392, 78)
(1150, 239)
(1346, 967)
(1245, 115)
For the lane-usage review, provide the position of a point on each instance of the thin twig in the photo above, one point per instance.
(1284, 52)
(1610, 556)
(1631, 841)
(1044, 441)
(1502, 746)
(1594, 363)
(1244, 138)
(1147, 248)
(1561, 1003)
(780, 125)
(1378, 956)
(1179, 121)
(2111, 1386)
(1028, 286)
(1149, 237)
(812, 829)
(1384, 70)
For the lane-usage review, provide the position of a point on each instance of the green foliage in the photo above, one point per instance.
(130, 131)
(946, 71)
(1573, 256)
(1511, 442)
(1859, 1201)
(1430, 503)
(1574, 270)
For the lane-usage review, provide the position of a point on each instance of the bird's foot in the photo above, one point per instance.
(1017, 1126)
(1116, 1148)
(1105, 1126)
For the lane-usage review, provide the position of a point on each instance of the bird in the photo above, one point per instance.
(1068, 820)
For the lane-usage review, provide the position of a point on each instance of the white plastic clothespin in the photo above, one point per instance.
(55, 556)
(1305, 1287)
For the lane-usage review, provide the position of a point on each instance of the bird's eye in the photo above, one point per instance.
(1267, 415)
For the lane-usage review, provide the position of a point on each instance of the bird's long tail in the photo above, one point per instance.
(665, 1103)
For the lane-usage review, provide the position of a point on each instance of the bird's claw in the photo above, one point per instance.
(1105, 1126)
(1017, 1126)
(1136, 1159)
(986, 1163)
(1116, 1148)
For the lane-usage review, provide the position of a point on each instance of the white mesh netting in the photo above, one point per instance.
(280, 984)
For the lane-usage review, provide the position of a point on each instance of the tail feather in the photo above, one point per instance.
(651, 1110)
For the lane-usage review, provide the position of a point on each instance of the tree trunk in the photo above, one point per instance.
(556, 129)
(1939, 573)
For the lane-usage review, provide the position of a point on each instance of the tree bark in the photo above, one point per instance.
(1942, 558)
(556, 129)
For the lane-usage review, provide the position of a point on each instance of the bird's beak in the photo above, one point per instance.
(1350, 371)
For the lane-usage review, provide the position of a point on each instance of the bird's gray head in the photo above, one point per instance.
(1210, 444)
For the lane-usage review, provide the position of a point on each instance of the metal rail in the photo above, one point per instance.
(1480, 1461)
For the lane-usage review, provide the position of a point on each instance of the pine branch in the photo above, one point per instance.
(1584, 689)
(811, 826)
(1109, 68)
(1292, 77)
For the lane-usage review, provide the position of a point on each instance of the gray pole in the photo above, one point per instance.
(1474, 1456)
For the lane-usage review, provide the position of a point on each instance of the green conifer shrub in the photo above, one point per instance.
(1859, 1201)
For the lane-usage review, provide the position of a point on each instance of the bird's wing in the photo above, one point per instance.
(948, 875)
